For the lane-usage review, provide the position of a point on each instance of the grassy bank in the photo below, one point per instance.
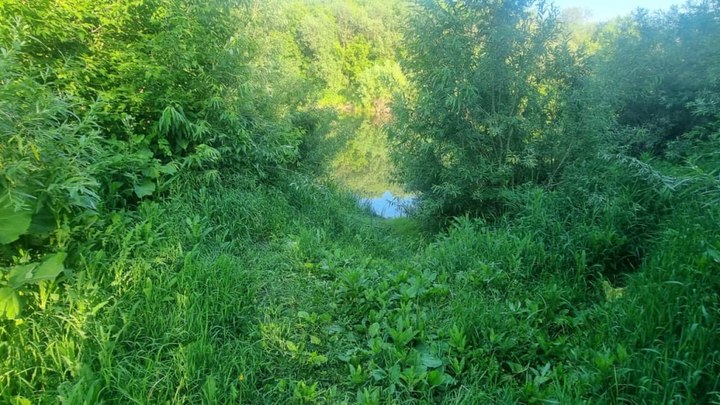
(245, 293)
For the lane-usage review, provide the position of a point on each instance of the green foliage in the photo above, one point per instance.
(175, 303)
(534, 295)
(9, 303)
(57, 173)
(656, 69)
(15, 223)
(34, 273)
(19, 276)
(177, 83)
(103, 105)
(495, 104)
(47, 155)
(348, 52)
(165, 235)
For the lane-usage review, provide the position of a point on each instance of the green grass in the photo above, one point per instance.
(249, 293)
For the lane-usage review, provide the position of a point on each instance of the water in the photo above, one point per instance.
(389, 205)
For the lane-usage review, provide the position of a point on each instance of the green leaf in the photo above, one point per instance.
(435, 378)
(13, 223)
(184, 143)
(378, 374)
(43, 223)
(714, 254)
(152, 172)
(34, 273)
(516, 367)
(169, 168)
(144, 154)
(144, 189)
(9, 303)
(430, 361)
(394, 373)
(21, 275)
(51, 267)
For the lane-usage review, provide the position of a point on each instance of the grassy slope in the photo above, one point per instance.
(289, 294)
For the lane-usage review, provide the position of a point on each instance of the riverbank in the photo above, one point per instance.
(291, 294)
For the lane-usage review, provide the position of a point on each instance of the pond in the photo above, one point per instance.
(389, 205)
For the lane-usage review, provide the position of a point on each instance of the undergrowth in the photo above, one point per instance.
(252, 293)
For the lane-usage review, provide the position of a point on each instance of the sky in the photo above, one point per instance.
(607, 9)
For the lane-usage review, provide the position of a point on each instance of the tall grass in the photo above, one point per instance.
(249, 293)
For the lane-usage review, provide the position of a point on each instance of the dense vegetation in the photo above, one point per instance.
(175, 225)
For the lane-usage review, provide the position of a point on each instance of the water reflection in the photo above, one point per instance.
(389, 205)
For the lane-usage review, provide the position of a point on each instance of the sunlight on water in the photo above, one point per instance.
(389, 205)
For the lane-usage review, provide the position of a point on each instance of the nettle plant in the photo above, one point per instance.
(46, 176)
(404, 354)
(55, 169)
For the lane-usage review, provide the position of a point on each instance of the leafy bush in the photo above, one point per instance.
(49, 189)
(656, 69)
(173, 77)
(494, 104)
(104, 104)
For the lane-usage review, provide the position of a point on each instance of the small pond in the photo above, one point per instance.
(389, 205)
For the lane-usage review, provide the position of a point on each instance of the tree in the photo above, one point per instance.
(660, 71)
(494, 104)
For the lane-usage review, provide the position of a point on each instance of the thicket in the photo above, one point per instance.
(510, 94)
(498, 102)
(105, 105)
